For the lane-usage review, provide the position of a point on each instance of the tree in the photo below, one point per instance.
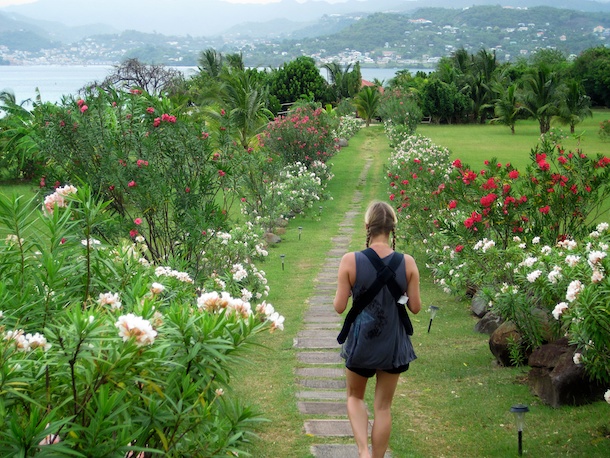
(367, 102)
(211, 62)
(506, 106)
(155, 79)
(442, 101)
(543, 91)
(297, 79)
(592, 67)
(343, 82)
(246, 99)
(576, 105)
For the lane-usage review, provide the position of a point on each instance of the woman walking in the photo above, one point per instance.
(377, 327)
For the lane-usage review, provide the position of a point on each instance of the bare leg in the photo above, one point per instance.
(356, 411)
(382, 425)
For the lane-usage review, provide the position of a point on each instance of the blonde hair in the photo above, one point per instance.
(380, 218)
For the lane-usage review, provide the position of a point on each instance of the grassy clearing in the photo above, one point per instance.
(473, 143)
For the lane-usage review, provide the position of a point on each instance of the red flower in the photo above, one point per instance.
(562, 159)
(187, 189)
(111, 187)
(457, 164)
(544, 165)
(80, 102)
(513, 174)
(392, 196)
(133, 233)
(137, 221)
(156, 122)
(221, 173)
(459, 248)
(151, 110)
(131, 184)
(62, 241)
(453, 204)
(405, 181)
(489, 199)
(544, 210)
(223, 112)
(490, 183)
(141, 162)
(204, 135)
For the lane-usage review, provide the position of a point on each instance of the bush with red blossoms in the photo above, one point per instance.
(148, 163)
(303, 135)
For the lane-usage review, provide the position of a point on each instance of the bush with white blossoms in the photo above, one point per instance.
(104, 354)
(348, 127)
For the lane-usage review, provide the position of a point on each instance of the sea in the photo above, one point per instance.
(55, 81)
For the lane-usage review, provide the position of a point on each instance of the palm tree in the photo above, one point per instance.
(367, 102)
(18, 145)
(211, 62)
(506, 106)
(246, 99)
(542, 95)
(576, 105)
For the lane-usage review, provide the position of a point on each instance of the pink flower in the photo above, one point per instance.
(222, 112)
(80, 102)
(544, 210)
(131, 184)
(133, 233)
(457, 164)
(392, 196)
(157, 122)
(514, 174)
(453, 204)
(141, 162)
(221, 173)
(459, 248)
(187, 189)
(151, 110)
(204, 135)
(84, 108)
(138, 221)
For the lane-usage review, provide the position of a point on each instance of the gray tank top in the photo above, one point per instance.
(377, 339)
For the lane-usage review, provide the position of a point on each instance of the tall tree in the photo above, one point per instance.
(576, 105)
(211, 62)
(543, 91)
(367, 102)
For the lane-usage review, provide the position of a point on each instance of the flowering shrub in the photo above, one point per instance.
(523, 237)
(401, 110)
(303, 135)
(104, 354)
(348, 127)
(159, 172)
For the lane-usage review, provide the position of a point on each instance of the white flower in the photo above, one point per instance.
(277, 322)
(532, 276)
(569, 244)
(220, 392)
(139, 239)
(546, 249)
(607, 396)
(1, 314)
(157, 288)
(555, 275)
(574, 288)
(572, 260)
(577, 358)
(528, 262)
(265, 308)
(536, 240)
(597, 276)
(110, 299)
(239, 273)
(37, 341)
(246, 295)
(601, 227)
(488, 244)
(91, 242)
(595, 257)
(137, 327)
(559, 308)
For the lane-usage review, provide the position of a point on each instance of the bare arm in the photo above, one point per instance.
(345, 281)
(414, 303)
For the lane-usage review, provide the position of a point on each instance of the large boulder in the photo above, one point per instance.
(489, 323)
(479, 305)
(556, 380)
(501, 341)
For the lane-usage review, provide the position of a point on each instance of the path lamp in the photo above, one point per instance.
(300, 231)
(320, 210)
(519, 410)
(432, 309)
(282, 256)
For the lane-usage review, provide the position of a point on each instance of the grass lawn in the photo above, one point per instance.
(473, 143)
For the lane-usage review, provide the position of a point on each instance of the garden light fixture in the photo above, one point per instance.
(300, 231)
(519, 410)
(432, 309)
(282, 256)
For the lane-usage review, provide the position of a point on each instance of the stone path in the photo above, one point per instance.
(320, 373)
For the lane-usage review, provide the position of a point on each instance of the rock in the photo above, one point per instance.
(479, 304)
(556, 380)
(499, 342)
(489, 323)
(272, 239)
(343, 142)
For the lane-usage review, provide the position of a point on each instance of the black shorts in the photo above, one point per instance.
(368, 373)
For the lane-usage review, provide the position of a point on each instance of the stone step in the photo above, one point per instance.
(322, 384)
(317, 342)
(337, 451)
(329, 428)
(322, 333)
(326, 395)
(331, 409)
(321, 372)
(319, 357)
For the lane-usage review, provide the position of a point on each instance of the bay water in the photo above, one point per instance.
(55, 81)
